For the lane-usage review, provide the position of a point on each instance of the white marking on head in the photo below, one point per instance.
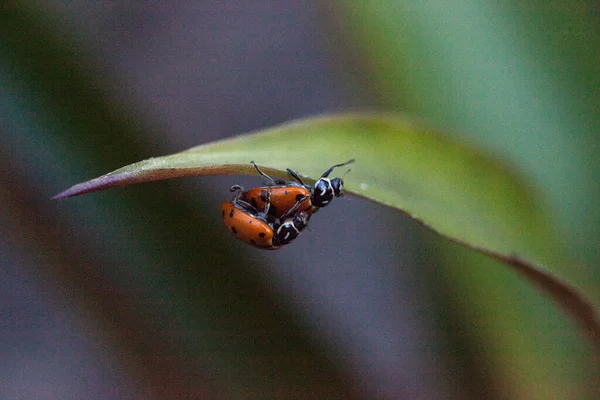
(325, 188)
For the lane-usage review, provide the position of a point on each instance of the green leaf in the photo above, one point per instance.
(458, 192)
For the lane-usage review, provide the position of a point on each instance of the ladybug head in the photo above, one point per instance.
(324, 191)
(290, 228)
(337, 184)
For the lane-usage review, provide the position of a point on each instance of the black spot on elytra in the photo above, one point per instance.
(264, 195)
(233, 230)
(231, 213)
(262, 234)
(286, 192)
(299, 197)
(252, 242)
(223, 213)
(253, 202)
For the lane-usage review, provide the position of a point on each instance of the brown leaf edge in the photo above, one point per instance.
(118, 179)
(570, 299)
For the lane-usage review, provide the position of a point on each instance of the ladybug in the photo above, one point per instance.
(285, 195)
(258, 228)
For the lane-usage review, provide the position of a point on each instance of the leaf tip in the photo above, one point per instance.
(70, 192)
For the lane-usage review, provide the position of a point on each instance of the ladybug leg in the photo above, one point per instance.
(241, 203)
(246, 206)
(295, 175)
(266, 197)
(267, 200)
(239, 190)
(326, 173)
(296, 206)
(272, 181)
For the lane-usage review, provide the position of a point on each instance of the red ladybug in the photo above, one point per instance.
(259, 228)
(285, 195)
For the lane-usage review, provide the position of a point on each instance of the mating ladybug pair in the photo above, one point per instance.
(271, 216)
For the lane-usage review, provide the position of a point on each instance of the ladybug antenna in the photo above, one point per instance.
(326, 173)
(267, 177)
(344, 176)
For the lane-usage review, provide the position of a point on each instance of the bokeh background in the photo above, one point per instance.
(139, 292)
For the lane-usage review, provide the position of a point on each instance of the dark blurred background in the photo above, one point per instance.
(139, 292)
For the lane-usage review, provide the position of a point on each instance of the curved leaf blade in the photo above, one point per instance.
(451, 188)
(455, 190)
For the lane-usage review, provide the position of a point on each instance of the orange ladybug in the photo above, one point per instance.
(258, 228)
(285, 195)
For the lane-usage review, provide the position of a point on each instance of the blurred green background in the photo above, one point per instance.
(140, 293)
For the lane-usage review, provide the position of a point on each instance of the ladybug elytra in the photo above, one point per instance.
(259, 228)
